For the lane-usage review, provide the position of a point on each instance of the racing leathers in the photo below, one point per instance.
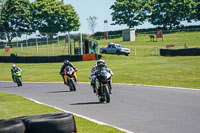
(92, 77)
(13, 70)
(63, 67)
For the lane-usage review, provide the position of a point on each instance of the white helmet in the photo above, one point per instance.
(13, 66)
(101, 63)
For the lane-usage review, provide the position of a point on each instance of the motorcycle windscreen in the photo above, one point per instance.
(69, 70)
(102, 77)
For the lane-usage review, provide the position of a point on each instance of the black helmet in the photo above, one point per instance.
(101, 63)
(66, 62)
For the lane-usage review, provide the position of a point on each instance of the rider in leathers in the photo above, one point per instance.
(100, 63)
(15, 69)
(66, 63)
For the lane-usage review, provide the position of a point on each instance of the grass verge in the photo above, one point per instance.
(149, 70)
(13, 106)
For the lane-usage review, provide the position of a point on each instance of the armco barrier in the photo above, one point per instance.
(180, 52)
(42, 59)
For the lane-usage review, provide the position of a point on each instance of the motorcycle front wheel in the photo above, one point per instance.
(73, 85)
(107, 95)
(19, 81)
(101, 99)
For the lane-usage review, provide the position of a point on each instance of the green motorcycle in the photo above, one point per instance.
(17, 78)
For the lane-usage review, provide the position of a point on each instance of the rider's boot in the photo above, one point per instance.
(94, 89)
(65, 82)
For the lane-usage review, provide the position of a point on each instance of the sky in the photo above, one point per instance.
(97, 8)
(100, 9)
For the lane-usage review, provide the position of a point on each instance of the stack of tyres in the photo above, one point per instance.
(48, 123)
(12, 126)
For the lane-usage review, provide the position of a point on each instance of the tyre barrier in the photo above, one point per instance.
(48, 123)
(13, 58)
(12, 126)
(180, 52)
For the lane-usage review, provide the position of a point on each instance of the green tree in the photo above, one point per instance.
(16, 16)
(170, 13)
(198, 10)
(92, 23)
(130, 12)
(53, 16)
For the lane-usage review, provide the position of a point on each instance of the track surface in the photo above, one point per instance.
(140, 109)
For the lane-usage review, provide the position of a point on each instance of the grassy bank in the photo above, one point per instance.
(13, 106)
(149, 70)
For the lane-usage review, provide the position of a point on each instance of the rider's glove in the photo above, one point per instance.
(93, 77)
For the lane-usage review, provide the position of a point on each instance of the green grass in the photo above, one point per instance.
(144, 46)
(144, 68)
(13, 106)
(183, 71)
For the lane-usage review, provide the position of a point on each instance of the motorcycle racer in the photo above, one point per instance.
(98, 66)
(14, 69)
(66, 63)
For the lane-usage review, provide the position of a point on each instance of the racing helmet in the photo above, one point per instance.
(101, 63)
(66, 62)
(13, 66)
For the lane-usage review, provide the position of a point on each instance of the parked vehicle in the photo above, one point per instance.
(70, 78)
(113, 48)
(17, 78)
(102, 85)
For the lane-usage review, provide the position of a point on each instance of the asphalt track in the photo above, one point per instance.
(136, 108)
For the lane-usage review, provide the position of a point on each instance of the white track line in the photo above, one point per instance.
(93, 120)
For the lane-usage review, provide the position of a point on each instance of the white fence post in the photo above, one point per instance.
(36, 43)
(135, 51)
(21, 47)
(58, 45)
(69, 45)
(26, 44)
(156, 50)
(81, 43)
(47, 45)
(16, 40)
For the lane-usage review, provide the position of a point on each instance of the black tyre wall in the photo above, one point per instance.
(42, 59)
(180, 52)
(12, 126)
(49, 123)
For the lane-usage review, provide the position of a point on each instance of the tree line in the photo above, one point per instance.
(41, 15)
(54, 16)
(162, 13)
